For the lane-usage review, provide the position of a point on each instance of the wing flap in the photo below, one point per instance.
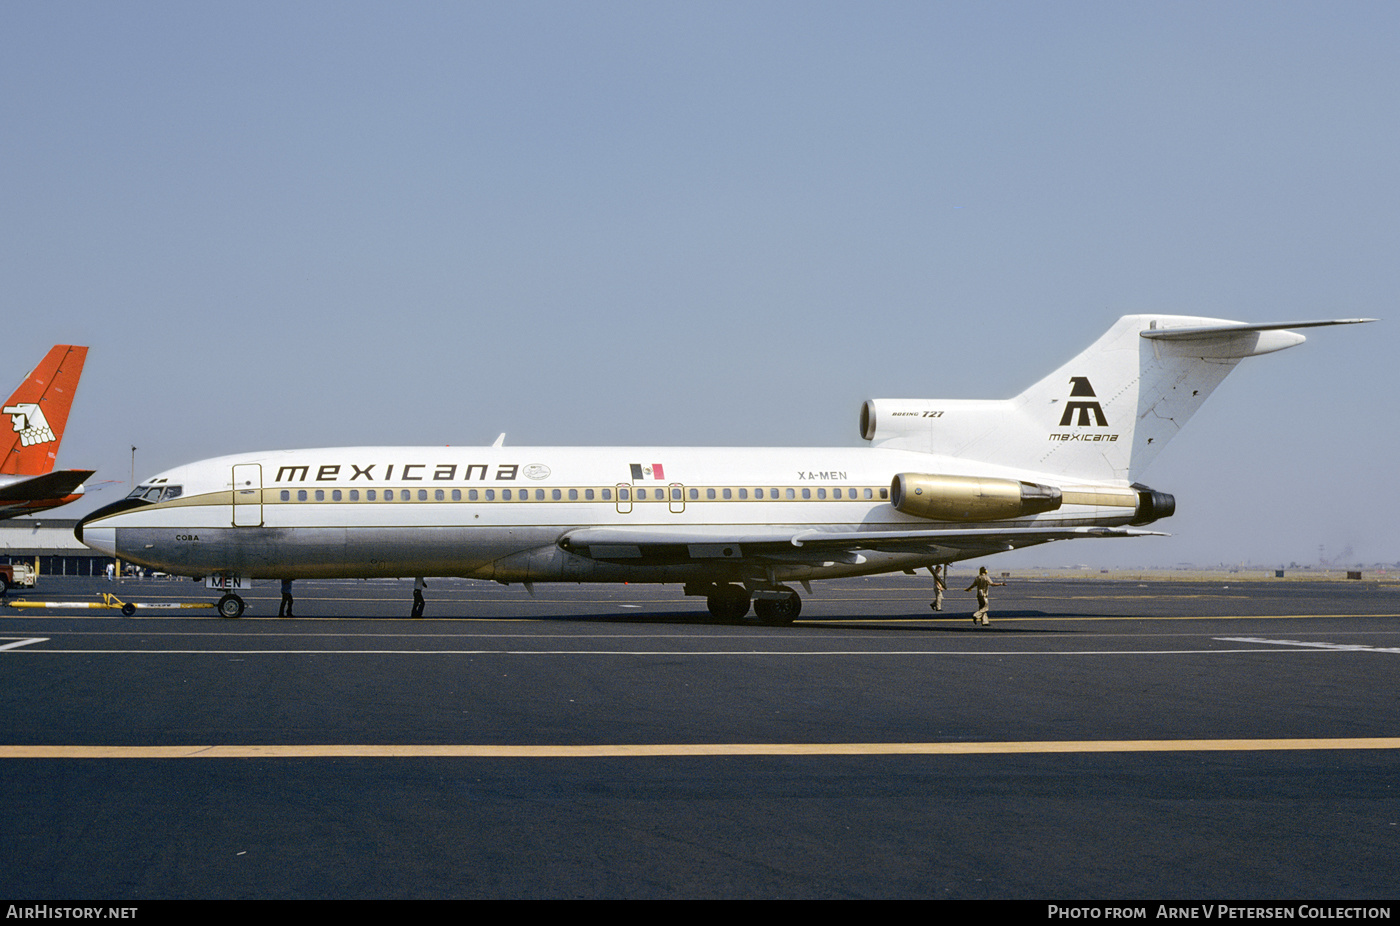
(790, 544)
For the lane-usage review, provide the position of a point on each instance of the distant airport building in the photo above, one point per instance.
(48, 544)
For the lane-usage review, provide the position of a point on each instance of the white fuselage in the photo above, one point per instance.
(508, 513)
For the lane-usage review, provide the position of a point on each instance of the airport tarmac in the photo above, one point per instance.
(1102, 739)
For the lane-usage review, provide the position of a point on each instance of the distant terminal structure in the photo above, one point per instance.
(47, 545)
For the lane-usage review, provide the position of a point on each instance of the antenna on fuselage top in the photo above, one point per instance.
(500, 441)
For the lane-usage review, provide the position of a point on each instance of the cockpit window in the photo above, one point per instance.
(156, 493)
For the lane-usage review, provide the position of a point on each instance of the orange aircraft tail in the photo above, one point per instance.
(38, 411)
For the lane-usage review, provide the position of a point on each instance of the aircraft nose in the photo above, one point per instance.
(85, 534)
(102, 539)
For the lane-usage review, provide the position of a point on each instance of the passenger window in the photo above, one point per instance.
(588, 495)
(301, 495)
(676, 495)
(335, 495)
(821, 493)
(456, 495)
(728, 494)
(694, 494)
(573, 495)
(757, 493)
(369, 495)
(320, 495)
(743, 493)
(472, 495)
(490, 495)
(286, 496)
(354, 495)
(505, 495)
(710, 494)
(439, 495)
(791, 493)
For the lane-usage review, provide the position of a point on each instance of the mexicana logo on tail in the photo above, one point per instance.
(1082, 389)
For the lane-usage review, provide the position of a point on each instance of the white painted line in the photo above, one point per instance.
(674, 652)
(24, 642)
(1344, 647)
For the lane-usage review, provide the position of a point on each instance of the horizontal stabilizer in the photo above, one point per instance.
(54, 485)
(1186, 334)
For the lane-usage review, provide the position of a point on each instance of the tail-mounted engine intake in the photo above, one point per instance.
(969, 498)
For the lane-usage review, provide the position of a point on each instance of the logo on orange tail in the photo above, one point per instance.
(28, 419)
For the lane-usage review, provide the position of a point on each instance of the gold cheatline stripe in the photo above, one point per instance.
(687, 749)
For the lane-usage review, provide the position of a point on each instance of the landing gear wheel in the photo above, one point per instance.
(230, 606)
(779, 611)
(728, 602)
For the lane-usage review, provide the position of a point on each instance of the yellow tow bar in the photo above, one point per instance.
(110, 602)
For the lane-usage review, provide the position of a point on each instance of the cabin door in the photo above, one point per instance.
(247, 495)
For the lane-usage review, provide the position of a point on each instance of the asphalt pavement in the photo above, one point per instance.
(1102, 739)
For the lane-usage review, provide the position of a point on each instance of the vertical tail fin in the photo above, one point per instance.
(38, 412)
(1103, 416)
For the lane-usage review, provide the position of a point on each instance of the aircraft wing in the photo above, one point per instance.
(788, 544)
(49, 486)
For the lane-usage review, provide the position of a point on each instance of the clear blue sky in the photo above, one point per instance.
(708, 223)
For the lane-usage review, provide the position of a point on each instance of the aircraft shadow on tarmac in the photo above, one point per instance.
(946, 622)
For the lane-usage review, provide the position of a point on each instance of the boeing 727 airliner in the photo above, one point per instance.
(940, 481)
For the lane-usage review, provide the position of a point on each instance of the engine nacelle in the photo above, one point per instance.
(1152, 505)
(970, 498)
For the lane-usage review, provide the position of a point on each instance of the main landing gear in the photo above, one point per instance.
(778, 605)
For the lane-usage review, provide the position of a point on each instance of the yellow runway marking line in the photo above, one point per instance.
(691, 749)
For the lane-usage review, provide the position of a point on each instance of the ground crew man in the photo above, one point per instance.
(982, 583)
(418, 602)
(939, 586)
